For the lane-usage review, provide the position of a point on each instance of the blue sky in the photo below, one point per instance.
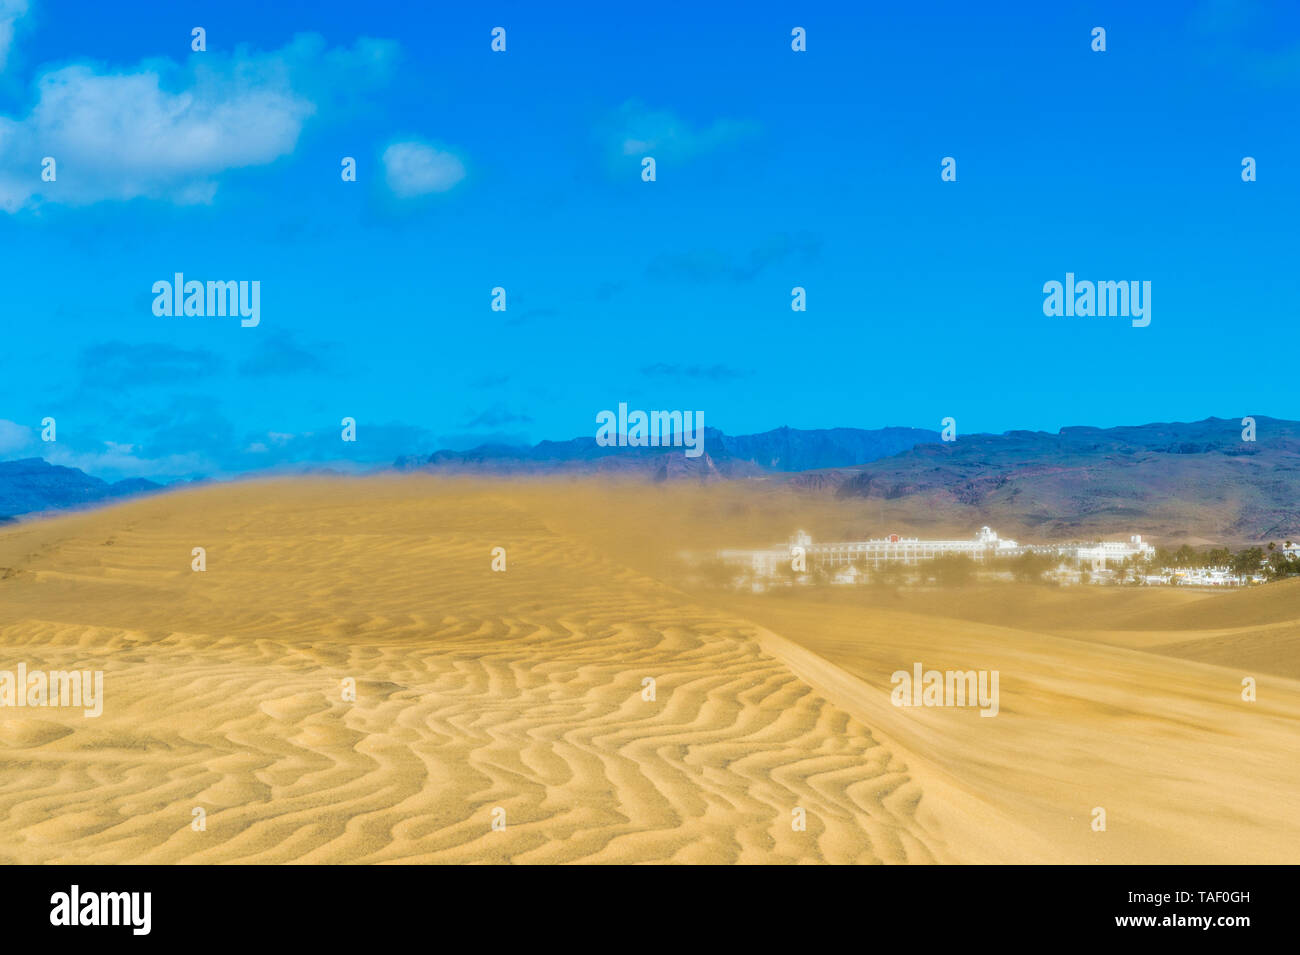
(522, 170)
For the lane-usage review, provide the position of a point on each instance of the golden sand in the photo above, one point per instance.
(523, 691)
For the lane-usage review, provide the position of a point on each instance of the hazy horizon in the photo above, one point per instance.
(360, 464)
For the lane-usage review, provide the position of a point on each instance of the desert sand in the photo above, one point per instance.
(522, 691)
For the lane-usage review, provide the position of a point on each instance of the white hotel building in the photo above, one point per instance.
(1108, 552)
(769, 562)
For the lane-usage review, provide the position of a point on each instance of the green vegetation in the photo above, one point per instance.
(948, 570)
(1027, 567)
(1280, 563)
(1273, 563)
(888, 575)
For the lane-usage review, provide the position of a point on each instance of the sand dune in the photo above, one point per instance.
(522, 691)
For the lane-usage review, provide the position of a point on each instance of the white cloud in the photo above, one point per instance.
(415, 169)
(13, 436)
(121, 460)
(11, 11)
(636, 130)
(166, 131)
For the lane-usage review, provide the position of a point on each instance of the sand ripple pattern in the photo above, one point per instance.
(475, 691)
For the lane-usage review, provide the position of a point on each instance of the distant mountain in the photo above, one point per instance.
(724, 456)
(1196, 481)
(32, 484)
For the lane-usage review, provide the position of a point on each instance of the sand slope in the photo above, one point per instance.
(523, 691)
(476, 690)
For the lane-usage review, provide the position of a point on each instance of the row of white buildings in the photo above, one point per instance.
(801, 551)
(1203, 577)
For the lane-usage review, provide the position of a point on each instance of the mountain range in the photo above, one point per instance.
(1197, 482)
(780, 451)
(33, 484)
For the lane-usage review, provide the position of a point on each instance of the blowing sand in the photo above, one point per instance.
(522, 691)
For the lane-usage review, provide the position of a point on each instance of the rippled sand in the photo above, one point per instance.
(523, 691)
